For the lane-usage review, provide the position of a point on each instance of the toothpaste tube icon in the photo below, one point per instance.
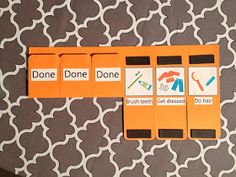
(145, 85)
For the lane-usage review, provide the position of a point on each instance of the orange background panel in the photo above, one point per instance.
(139, 118)
(135, 117)
(76, 88)
(172, 117)
(107, 88)
(44, 89)
(205, 117)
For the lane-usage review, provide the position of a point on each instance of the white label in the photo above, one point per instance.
(75, 74)
(139, 102)
(138, 81)
(203, 100)
(164, 101)
(202, 81)
(49, 74)
(170, 81)
(108, 74)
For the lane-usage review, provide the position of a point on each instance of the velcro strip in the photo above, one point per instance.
(170, 133)
(138, 60)
(203, 133)
(201, 59)
(169, 60)
(139, 133)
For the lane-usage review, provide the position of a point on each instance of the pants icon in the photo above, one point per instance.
(178, 83)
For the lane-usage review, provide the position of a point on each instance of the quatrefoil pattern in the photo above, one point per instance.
(83, 137)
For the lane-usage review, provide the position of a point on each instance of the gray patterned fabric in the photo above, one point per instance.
(82, 137)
